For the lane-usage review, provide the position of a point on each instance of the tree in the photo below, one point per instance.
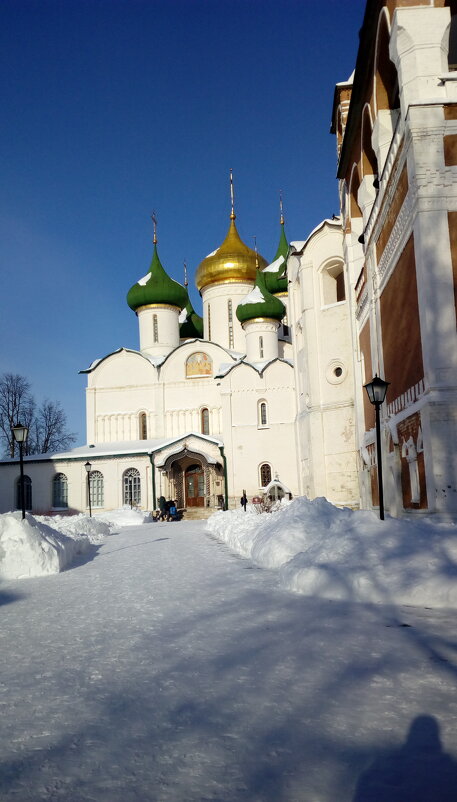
(16, 404)
(47, 425)
(49, 430)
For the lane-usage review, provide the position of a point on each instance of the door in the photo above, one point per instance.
(195, 486)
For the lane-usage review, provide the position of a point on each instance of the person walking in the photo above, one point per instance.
(244, 500)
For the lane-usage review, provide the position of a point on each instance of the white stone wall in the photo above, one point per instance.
(323, 357)
(215, 298)
(166, 329)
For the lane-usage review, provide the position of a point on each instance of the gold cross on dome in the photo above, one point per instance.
(154, 222)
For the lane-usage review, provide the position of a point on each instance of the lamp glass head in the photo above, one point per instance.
(376, 390)
(20, 433)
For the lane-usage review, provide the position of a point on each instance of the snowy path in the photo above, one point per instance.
(168, 670)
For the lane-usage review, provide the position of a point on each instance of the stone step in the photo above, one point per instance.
(197, 513)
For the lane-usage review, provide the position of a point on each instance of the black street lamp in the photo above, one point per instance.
(20, 434)
(376, 391)
(88, 468)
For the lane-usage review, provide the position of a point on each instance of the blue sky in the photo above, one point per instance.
(113, 108)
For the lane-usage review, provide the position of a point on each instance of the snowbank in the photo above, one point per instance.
(45, 545)
(125, 517)
(321, 550)
(48, 544)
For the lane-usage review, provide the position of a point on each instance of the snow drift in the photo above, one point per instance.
(321, 550)
(44, 545)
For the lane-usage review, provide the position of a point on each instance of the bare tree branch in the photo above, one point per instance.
(47, 425)
(50, 429)
(16, 404)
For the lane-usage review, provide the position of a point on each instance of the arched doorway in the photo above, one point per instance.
(195, 486)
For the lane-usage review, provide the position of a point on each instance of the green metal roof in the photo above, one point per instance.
(192, 325)
(156, 288)
(260, 303)
(277, 281)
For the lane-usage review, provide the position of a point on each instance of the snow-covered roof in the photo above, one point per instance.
(276, 483)
(130, 447)
(297, 245)
(260, 367)
(154, 360)
(275, 266)
(254, 297)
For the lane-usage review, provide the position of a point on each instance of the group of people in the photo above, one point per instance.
(168, 510)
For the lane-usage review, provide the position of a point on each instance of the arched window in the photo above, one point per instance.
(132, 487)
(27, 493)
(96, 489)
(204, 423)
(333, 288)
(386, 79)
(265, 474)
(262, 413)
(369, 161)
(260, 347)
(143, 426)
(60, 491)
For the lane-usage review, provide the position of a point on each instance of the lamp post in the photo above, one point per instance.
(20, 434)
(88, 468)
(376, 391)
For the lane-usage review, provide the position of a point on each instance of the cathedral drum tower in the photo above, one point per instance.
(223, 280)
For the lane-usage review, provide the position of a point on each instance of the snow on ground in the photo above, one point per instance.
(42, 545)
(167, 669)
(36, 547)
(320, 550)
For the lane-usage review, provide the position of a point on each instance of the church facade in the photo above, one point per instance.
(265, 391)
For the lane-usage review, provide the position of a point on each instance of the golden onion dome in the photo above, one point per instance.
(232, 261)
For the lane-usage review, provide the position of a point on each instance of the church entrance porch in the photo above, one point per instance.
(192, 475)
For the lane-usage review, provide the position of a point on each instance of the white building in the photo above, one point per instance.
(208, 408)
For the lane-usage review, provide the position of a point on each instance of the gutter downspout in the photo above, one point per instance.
(154, 500)
(224, 459)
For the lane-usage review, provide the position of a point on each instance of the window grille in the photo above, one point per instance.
(96, 489)
(155, 326)
(60, 491)
(265, 474)
(261, 347)
(132, 487)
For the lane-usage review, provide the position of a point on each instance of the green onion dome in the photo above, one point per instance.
(275, 273)
(190, 324)
(260, 303)
(156, 288)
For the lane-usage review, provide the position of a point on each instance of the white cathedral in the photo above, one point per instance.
(207, 408)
